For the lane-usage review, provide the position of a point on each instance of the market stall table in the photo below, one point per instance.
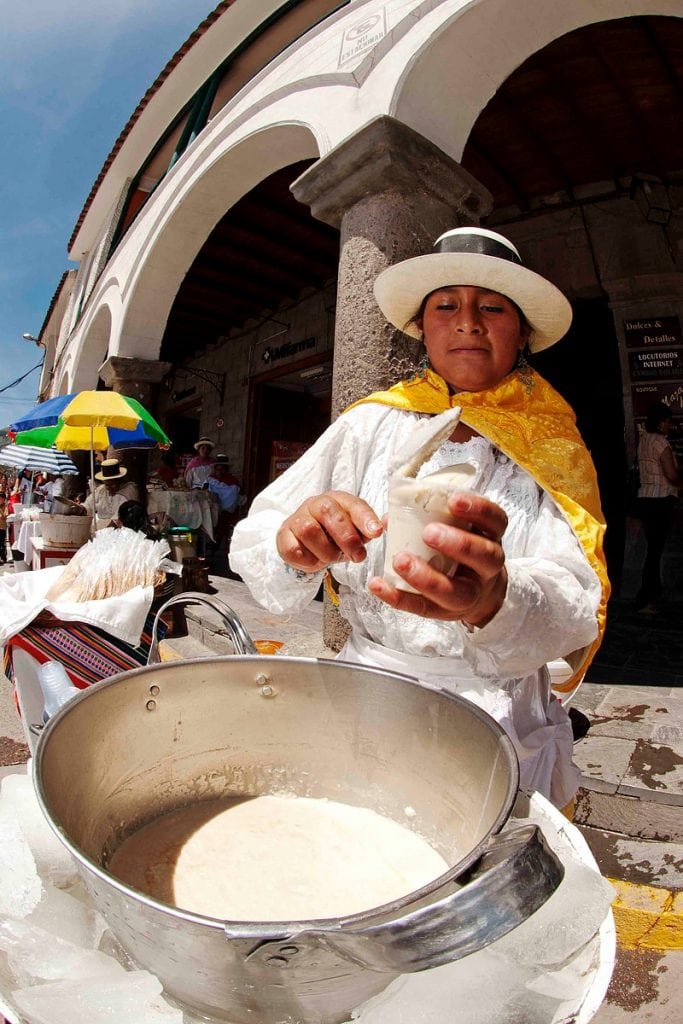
(29, 532)
(193, 509)
(45, 555)
(15, 522)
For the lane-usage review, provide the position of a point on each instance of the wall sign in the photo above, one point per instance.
(271, 354)
(662, 364)
(644, 395)
(362, 35)
(283, 455)
(653, 332)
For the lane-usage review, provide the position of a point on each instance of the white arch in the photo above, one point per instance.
(165, 251)
(93, 350)
(62, 382)
(465, 58)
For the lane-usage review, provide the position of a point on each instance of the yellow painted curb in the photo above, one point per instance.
(647, 917)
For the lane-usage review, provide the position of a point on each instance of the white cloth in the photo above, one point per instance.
(197, 473)
(549, 611)
(30, 530)
(23, 596)
(653, 483)
(226, 494)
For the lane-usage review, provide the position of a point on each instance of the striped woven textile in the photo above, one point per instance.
(87, 653)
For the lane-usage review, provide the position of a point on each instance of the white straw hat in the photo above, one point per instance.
(482, 258)
(204, 440)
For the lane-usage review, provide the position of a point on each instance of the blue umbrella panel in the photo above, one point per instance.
(37, 460)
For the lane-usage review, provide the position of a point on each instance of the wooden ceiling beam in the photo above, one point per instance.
(290, 252)
(561, 87)
(674, 80)
(216, 283)
(281, 275)
(506, 179)
(541, 145)
(222, 299)
(611, 64)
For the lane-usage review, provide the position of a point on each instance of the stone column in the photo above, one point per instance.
(391, 193)
(139, 379)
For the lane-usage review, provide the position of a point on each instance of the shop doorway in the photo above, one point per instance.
(585, 368)
(287, 414)
(182, 426)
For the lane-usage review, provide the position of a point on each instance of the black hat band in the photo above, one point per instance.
(481, 245)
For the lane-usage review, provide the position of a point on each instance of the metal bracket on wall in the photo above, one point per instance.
(216, 380)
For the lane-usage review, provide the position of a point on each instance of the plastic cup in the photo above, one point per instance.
(413, 504)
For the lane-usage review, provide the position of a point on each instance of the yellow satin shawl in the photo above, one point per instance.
(536, 428)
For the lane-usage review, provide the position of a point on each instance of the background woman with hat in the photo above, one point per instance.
(531, 584)
(198, 469)
(660, 484)
(112, 491)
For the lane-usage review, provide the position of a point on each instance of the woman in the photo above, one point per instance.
(660, 483)
(198, 469)
(531, 585)
(111, 492)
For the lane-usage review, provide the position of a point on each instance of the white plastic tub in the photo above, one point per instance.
(65, 531)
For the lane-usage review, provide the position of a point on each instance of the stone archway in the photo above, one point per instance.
(491, 39)
(93, 351)
(166, 254)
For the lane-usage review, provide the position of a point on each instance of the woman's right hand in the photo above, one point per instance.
(331, 527)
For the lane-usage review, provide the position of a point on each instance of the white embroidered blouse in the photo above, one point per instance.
(549, 611)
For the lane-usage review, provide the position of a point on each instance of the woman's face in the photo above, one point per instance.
(204, 450)
(472, 336)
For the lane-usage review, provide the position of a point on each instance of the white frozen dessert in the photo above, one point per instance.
(412, 505)
(276, 858)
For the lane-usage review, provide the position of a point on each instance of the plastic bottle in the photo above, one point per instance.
(56, 686)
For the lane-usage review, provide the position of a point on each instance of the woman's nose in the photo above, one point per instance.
(467, 319)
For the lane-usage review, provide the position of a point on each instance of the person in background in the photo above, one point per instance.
(226, 487)
(14, 499)
(199, 467)
(526, 543)
(3, 529)
(132, 515)
(167, 470)
(58, 491)
(26, 488)
(112, 492)
(660, 484)
(46, 491)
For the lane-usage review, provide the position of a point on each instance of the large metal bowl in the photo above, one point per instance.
(158, 738)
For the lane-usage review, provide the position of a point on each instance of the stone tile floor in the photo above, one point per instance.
(641, 650)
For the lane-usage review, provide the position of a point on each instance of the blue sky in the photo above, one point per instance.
(71, 74)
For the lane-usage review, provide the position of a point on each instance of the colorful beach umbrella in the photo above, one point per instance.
(90, 421)
(87, 421)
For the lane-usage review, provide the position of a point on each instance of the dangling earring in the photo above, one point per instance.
(524, 371)
(424, 365)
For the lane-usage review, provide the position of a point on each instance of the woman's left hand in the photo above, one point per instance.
(477, 589)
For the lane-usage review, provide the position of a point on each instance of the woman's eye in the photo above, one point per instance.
(446, 305)
(492, 309)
